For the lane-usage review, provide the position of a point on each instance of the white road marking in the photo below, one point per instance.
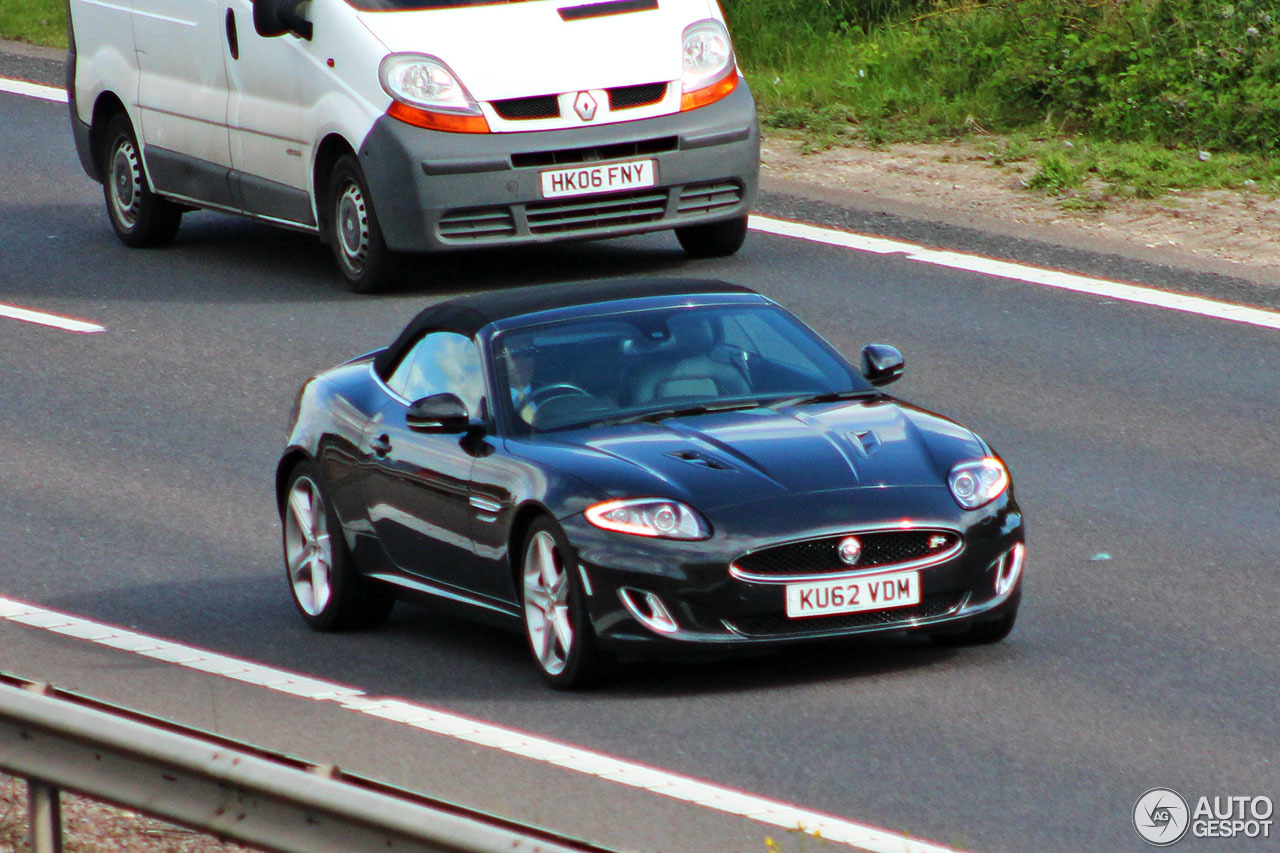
(43, 318)
(1021, 272)
(447, 724)
(33, 90)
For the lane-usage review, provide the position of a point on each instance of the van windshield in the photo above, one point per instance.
(413, 5)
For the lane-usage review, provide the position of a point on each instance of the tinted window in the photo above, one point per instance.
(439, 362)
(601, 368)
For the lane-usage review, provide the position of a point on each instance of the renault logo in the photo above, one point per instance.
(850, 550)
(585, 106)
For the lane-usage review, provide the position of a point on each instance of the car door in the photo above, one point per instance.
(182, 96)
(419, 491)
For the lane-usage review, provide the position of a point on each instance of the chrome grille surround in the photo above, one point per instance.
(817, 559)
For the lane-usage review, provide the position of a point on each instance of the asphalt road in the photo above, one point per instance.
(136, 489)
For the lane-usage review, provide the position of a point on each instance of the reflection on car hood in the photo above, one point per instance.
(722, 459)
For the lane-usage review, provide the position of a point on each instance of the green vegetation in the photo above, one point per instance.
(42, 22)
(1146, 84)
(1099, 98)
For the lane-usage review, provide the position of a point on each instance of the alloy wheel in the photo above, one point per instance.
(308, 548)
(547, 603)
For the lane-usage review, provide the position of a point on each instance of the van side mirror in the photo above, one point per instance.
(438, 413)
(277, 17)
(882, 364)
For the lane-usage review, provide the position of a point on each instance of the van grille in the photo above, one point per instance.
(618, 151)
(525, 109)
(480, 224)
(626, 97)
(560, 217)
(709, 198)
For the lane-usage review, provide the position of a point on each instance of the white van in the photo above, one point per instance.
(389, 126)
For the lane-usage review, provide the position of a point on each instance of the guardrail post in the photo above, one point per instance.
(44, 817)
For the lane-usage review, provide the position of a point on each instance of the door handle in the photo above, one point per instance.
(381, 445)
(233, 40)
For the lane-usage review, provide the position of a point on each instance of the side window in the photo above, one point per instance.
(439, 362)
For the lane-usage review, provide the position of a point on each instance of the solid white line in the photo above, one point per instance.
(42, 318)
(1021, 272)
(33, 90)
(424, 718)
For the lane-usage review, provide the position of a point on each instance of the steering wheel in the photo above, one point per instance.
(557, 389)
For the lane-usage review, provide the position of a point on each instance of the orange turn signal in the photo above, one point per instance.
(708, 94)
(449, 122)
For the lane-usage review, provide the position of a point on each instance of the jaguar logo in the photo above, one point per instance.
(850, 550)
(585, 106)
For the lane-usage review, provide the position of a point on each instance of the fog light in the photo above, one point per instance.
(648, 610)
(1009, 569)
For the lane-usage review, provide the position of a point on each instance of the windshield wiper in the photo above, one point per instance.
(825, 397)
(683, 411)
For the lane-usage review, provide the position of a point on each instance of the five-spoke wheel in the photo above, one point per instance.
(555, 617)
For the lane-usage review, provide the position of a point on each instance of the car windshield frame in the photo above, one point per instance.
(832, 377)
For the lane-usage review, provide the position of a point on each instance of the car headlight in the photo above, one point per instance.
(426, 93)
(649, 517)
(978, 482)
(709, 69)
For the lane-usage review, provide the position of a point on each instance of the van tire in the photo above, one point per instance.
(141, 218)
(713, 240)
(362, 255)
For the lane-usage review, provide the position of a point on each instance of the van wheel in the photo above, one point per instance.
(363, 257)
(714, 240)
(141, 218)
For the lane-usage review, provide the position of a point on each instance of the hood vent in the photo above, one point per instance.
(693, 457)
(865, 442)
(600, 10)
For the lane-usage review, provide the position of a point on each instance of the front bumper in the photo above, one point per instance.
(705, 604)
(437, 191)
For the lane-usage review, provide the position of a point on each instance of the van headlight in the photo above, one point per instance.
(709, 70)
(426, 93)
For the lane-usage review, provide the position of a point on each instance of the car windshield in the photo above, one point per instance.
(653, 364)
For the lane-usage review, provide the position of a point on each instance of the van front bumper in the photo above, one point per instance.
(473, 190)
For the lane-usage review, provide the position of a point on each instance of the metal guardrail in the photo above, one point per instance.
(58, 741)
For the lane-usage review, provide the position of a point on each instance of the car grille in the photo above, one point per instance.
(626, 97)
(778, 625)
(559, 217)
(881, 549)
(523, 109)
(709, 198)
(616, 151)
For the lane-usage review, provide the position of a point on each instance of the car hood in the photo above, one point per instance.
(512, 50)
(721, 459)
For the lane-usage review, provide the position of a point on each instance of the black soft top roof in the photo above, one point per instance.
(468, 314)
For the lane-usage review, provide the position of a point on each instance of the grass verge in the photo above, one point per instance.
(42, 22)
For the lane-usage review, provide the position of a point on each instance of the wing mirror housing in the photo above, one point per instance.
(439, 413)
(277, 17)
(882, 364)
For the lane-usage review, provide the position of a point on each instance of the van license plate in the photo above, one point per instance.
(603, 178)
(871, 592)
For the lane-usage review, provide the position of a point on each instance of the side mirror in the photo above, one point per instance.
(882, 364)
(277, 17)
(438, 413)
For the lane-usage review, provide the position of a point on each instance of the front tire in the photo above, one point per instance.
(330, 594)
(363, 258)
(140, 218)
(557, 627)
(713, 240)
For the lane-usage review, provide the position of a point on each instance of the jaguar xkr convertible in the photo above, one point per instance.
(627, 467)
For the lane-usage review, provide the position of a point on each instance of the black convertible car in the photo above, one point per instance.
(626, 465)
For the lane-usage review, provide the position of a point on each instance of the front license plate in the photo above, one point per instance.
(872, 592)
(604, 178)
